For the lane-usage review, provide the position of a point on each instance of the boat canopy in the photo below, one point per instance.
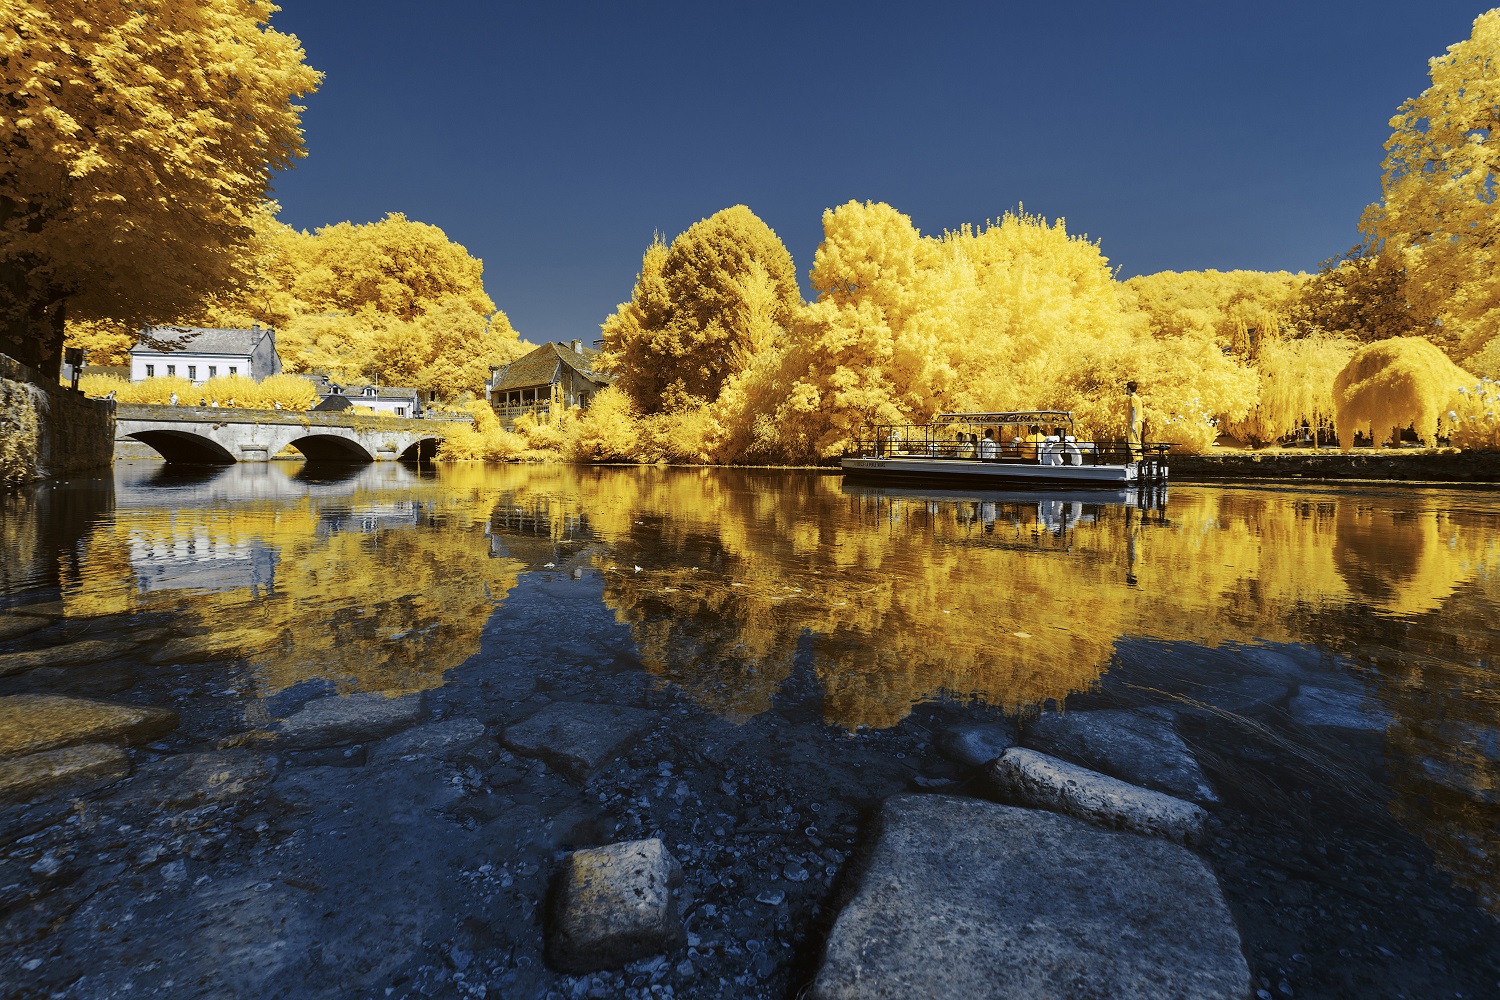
(1012, 417)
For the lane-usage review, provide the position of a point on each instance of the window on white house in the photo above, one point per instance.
(234, 369)
(213, 371)
(400, 411)
(369, 391)
(171, 369)
(150, 371)
(193, 372)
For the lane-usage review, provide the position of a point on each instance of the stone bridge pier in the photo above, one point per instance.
(221, 436)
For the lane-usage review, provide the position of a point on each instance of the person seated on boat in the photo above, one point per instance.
(1033, 445)
(1051, 449)
(894, 441)
(987, 446)
(966, 445)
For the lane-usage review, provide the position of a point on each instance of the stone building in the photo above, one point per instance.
(553, 373)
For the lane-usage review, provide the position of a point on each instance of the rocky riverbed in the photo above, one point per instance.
(161, 837)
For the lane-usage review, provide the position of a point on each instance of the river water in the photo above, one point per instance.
(1330, 654)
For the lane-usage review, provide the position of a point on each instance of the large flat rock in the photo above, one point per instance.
(87, 651)
(31, 723)
(613, 905)
(1140, 747)
(73, 769)
(1337, 708)
(354, 718)
(968, 900)
(436, 739)
(577, 738)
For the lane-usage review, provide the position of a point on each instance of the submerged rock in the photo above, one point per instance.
(1034, 779)
(613, 905)
(74, 769)
(1139, 747)
(355, 718)
(577, 738)
(212, 646)
(975, 744)
(1335, 708)
(433, 739)
(965, 899)
(88, 651)
(214, 776)
(15, 626)
(31, 723)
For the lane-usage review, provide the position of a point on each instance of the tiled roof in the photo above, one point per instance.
(203, 340)
(540, 367)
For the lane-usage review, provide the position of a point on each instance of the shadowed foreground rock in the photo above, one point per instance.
(614, 905)
(88, 651)
(75, 769)
(1034, 779)
(355, 718)
(966, 900)
(577, 737)
(1139, 747)
(31, 723)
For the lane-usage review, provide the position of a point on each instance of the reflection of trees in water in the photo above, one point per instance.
(366, 592)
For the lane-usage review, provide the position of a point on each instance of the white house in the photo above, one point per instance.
(199, 354)
(402, 402)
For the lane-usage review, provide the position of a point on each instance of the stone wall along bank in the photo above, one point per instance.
(47, 431)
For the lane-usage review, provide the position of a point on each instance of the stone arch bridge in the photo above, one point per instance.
(222, 436)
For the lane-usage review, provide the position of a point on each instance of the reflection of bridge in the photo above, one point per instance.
(221, 436)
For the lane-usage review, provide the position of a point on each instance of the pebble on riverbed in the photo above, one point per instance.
(613, 905)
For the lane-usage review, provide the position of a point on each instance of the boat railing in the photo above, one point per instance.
(939, 442)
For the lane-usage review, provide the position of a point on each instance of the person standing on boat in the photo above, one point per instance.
(987, 446)
(1133, 422)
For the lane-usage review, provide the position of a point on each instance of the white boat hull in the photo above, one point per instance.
(990, 475)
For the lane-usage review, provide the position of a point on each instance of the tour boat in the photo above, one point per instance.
(1021, 449)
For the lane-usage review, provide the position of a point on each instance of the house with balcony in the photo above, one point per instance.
(553, 374)
(201, 353)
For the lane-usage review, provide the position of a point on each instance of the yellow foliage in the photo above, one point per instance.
(606, 431)
(128, 166)
(393, 301)
(1437, 219)
(106, 341)
(1296, 387)
(1474, 416)
(292, 391)
(1393, 384)
(701, 309)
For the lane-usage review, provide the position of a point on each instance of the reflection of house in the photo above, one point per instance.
(195, 559)
(402, 402)
(554, 372)
(199, 354)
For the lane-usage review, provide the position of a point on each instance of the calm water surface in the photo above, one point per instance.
(1244, 608)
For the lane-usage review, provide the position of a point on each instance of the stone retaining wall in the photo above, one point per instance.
(47, 431)
(1363, 464)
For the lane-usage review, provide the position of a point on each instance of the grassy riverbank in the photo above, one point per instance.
(1385, 465)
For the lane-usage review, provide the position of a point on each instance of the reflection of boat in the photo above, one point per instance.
(1022, 449)
(1101, 496)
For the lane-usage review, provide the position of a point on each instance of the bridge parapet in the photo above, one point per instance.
(224, 435)
(159, 412)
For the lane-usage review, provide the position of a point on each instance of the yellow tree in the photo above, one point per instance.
(1437, 217)
(1393, 384)
(702, 308)
(136, 139)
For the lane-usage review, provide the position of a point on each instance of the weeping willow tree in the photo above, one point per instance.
(1393, 384)
(1296, 387)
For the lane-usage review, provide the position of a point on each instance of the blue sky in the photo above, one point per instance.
(552, 140)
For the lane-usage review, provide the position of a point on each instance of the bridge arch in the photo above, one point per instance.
(185, 447)
(331, 448)
(421, 450)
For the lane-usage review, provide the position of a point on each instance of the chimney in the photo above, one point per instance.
(577, 347)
